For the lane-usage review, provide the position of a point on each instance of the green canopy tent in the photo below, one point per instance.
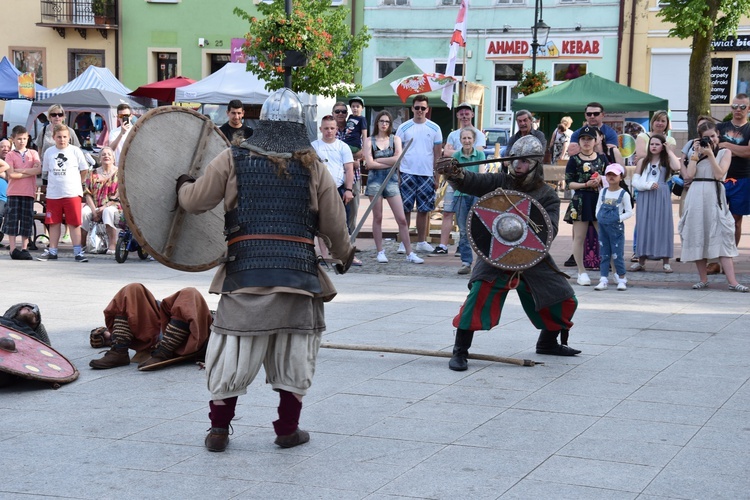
(380, 94)
(573, 95)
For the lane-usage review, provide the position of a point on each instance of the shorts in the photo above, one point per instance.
(375, 179)
(69, 207)
(738, 196)
(449, 200)
(419, 188)
(19, 216)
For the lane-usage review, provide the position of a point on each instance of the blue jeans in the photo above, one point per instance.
(462, 205)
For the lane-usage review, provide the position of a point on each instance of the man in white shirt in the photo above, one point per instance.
(418, 179)
(337, 156)
(118, 135)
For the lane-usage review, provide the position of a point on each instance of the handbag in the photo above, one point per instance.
(97, 241)
(678, 184)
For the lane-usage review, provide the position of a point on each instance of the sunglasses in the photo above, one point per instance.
(384, 122)
(340, 111)
(56, 115)
(593, 113)
(123, 116)
(743, 107)
(420, 108)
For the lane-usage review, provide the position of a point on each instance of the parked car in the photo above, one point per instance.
(496, 135)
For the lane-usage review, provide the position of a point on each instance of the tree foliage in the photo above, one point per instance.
(314, 28)
(702, 21)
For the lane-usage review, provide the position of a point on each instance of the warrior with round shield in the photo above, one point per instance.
(277, 197)
(545, 294)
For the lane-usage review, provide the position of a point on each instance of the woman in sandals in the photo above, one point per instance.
(653, 219)
(706, 226)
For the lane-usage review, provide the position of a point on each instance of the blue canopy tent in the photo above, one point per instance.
(9, 80)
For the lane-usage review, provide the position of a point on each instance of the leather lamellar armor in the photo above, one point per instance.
(270, 232)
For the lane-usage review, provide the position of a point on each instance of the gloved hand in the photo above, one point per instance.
(182, 180)
(450, 168)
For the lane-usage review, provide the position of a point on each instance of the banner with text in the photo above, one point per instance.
(721, 79)
(520, 48)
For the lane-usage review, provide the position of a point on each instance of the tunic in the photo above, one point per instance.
(706, 229)
(548, 284)
(286, 309)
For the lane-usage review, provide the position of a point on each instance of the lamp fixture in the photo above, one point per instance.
(578, 27)
(506, 28)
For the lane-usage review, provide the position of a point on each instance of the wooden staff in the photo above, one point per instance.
(436, 354)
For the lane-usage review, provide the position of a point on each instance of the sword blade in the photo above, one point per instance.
(377, 196)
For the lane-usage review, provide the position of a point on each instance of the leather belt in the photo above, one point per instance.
(280, 237)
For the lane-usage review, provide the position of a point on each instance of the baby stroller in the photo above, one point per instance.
(126, 243)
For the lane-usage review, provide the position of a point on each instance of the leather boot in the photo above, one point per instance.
(113, 358)
(459, 361)
(547, 344)
(118, 354)
(221, 417)
(288, 433)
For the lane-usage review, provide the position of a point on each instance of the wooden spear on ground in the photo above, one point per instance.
(437, 354)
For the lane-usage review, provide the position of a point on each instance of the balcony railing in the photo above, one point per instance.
(75, 13)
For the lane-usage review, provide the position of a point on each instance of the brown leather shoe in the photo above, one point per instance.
(713, 268)
(111, 359)
(217, 439)
(297, 438)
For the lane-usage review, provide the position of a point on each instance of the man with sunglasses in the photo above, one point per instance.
(594, 112)
(118, 135)
(735, 136)
(418, 178)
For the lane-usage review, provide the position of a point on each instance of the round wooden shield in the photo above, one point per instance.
(27, 357)
(165, 143)
(509, 230)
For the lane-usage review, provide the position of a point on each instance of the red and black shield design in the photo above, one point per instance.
(509, 230)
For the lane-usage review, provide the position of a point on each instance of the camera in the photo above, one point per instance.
(705, 142)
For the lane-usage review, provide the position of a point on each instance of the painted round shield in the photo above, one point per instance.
(165, 143)
(29, 358)
(509, 230)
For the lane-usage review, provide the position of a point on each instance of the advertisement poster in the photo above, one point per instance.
(237, 54)
(26, 86)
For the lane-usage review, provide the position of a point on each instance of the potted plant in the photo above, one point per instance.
(99, 8)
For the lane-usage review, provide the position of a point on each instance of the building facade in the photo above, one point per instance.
(583, 38)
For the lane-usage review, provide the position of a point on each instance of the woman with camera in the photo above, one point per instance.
(706, 226)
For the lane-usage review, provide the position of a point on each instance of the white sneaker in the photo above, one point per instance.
(381, 257)
(414, 259)
(583, 279)
(601, 286)
(401, 248)
(423, 246)
(621, 286)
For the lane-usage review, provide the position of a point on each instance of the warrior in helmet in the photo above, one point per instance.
(546, 296)
(277, 197)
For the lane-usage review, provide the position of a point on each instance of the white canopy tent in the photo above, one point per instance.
(233, 81)
(92, 78)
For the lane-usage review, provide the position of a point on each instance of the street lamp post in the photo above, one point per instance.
(539, 25)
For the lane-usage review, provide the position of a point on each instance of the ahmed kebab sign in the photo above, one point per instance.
(520, 48)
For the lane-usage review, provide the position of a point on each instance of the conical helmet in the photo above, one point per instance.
(283, 106)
